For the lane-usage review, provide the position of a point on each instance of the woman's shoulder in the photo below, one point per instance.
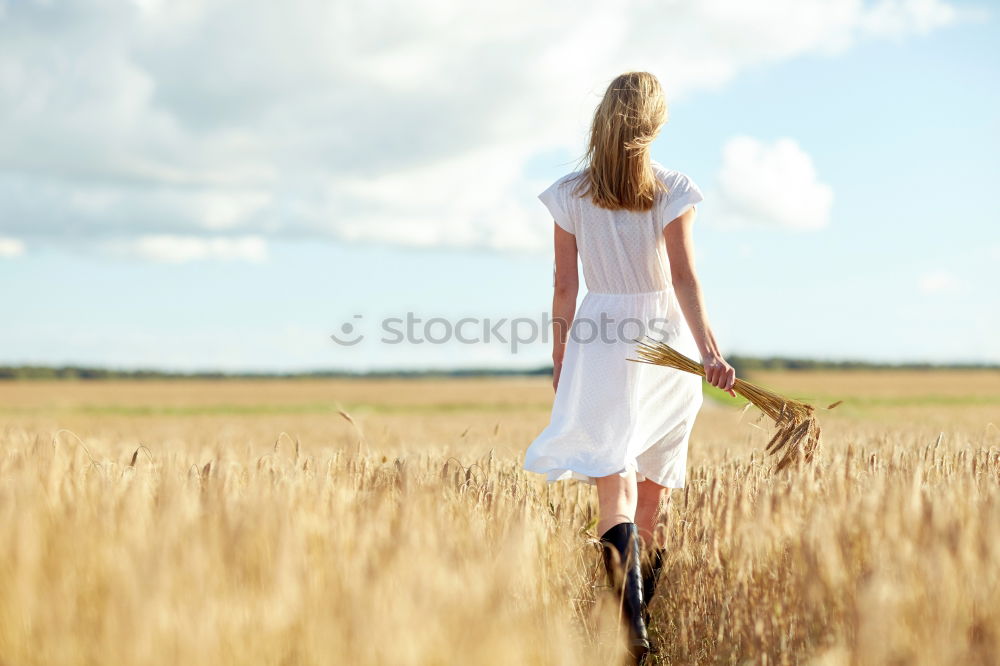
(569, 178)
(671, 177)
(564, 186)
(681, 193)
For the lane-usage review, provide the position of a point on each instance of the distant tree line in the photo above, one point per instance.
(743, 365)
(88, 373)
(751, 363)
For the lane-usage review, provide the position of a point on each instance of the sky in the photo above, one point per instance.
(225, 185)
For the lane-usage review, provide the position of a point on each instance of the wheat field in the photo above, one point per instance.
(389, 522)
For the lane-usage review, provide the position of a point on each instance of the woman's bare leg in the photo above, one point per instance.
(617, 496)
(647, 512)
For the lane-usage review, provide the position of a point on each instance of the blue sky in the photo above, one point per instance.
(259, 227)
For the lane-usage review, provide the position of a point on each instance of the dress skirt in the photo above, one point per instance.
(611, 415)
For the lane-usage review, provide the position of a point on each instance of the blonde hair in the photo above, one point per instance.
(627, 120)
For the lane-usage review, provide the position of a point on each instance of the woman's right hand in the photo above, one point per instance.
(718, 373)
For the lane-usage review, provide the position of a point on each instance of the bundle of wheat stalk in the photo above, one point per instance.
(797, 430)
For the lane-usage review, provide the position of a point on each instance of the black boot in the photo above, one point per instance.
(651, 567)
(652, 564)
(620, 545)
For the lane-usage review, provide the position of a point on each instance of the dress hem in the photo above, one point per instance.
(556, 474)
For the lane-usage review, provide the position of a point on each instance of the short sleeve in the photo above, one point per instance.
(554, 199)
(683, 195)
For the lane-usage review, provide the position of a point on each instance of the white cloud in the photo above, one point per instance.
(393, 122)
(10, 247)
(938, 281)
(896, 18)
(770, 186)
(180, 249)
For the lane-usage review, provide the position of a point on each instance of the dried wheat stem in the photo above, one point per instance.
(797, 434)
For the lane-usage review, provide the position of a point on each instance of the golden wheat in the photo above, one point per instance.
(248, 523)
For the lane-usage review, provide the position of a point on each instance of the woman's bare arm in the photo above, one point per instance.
(680, 251)
(565, 289)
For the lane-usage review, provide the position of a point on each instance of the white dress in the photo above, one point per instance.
(611, 415)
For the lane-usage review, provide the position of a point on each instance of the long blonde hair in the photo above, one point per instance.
(627, 120)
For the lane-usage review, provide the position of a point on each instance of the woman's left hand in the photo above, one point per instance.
(556, 371)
